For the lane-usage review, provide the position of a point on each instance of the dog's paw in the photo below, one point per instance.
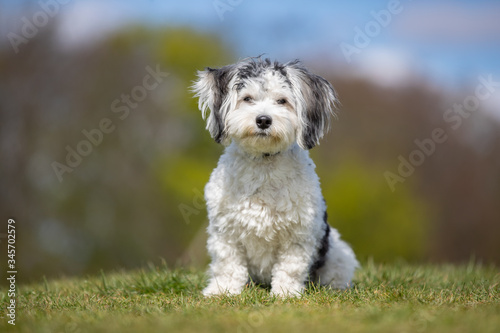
(214, 289)
(287, 291)
(209, 292)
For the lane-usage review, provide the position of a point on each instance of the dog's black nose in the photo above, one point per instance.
(263, 122)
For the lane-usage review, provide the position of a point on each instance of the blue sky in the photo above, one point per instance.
(449, 42)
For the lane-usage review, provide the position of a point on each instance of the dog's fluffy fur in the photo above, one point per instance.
(267, 214)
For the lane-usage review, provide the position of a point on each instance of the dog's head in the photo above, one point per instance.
(265, 107)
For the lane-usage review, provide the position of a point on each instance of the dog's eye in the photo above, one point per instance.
(281, 101)
(247, 99)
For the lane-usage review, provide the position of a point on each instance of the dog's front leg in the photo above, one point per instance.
(291, 271)
(228, 270)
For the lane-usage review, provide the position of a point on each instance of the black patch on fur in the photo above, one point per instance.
(322, 250)
(316, 111)
(319, 105)
(318, 94)
(256, 67)
(222, 76)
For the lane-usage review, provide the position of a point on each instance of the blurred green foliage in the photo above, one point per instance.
(138, 195)
(378, 223)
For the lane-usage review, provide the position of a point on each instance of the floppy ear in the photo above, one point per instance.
(213, 88)
(316, 104)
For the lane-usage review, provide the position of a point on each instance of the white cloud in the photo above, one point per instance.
(449, 21)
(385, 66)
(85, 21)
(492, 104)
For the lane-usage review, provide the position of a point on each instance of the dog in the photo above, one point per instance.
(267, 216)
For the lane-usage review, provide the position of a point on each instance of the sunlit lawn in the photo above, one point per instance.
(385, 298)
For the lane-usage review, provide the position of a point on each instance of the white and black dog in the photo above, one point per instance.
(268, 220)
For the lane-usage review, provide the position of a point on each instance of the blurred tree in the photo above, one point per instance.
(137, 194)
(377, 223)
(119, 206)
(449, 203)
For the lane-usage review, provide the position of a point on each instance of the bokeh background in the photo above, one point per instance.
(135, 197)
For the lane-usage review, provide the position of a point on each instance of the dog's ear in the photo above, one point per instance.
(213, 88)
(316, 103)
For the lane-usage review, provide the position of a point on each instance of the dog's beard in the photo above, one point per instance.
(266, 140)
(278, 137)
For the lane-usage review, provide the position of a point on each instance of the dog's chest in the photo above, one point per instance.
(267, 202)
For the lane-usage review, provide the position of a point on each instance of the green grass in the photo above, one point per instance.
(385, 298)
